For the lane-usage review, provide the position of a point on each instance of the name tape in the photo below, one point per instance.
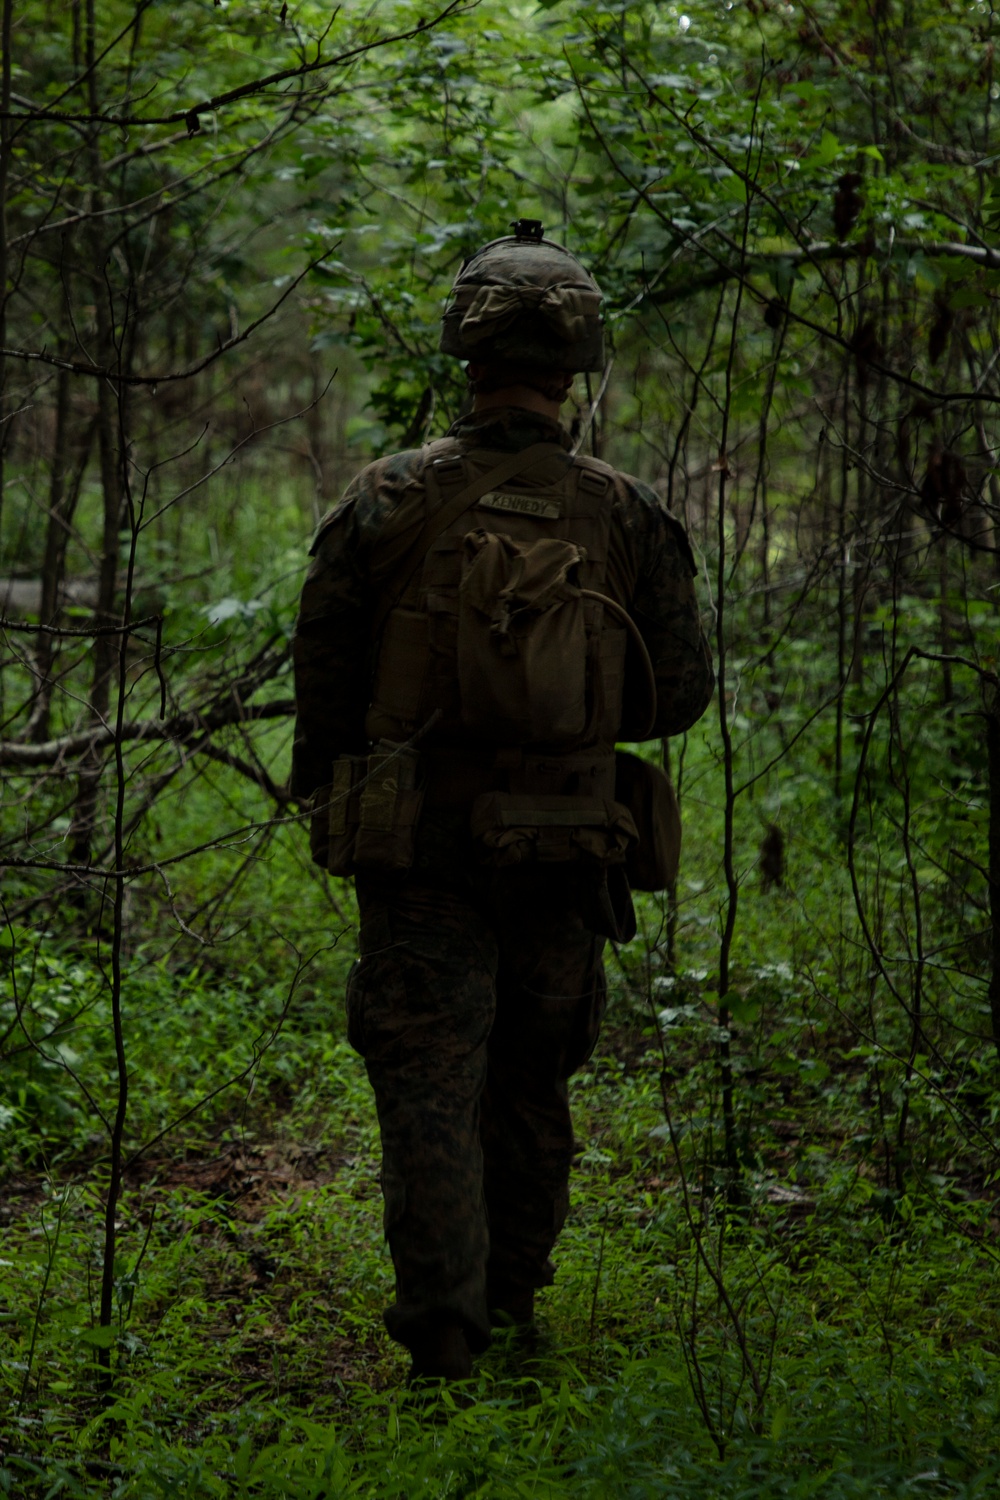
(522, 505)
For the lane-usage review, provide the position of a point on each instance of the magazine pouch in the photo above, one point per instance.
(366, 817)
(389, 804)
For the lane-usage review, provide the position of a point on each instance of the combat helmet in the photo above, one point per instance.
(523, 299)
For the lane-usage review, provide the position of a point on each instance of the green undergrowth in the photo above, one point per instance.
(821, 1321)
(818, 1339)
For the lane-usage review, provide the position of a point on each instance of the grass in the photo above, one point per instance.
(835, 1332)
(250, 1359)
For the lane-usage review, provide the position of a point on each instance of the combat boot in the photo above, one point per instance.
(441, 1353)
(513, 1307)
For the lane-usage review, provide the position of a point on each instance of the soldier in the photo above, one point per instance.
(483, 619)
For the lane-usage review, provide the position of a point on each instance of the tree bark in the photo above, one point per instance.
(65, 480)
(993, 756)
(108, 435)
(6, 20)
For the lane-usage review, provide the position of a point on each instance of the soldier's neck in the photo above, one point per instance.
(524, 396)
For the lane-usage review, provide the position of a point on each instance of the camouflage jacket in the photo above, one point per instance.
(650, 560)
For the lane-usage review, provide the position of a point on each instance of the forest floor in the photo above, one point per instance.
(811, 1343)
(829, 1328)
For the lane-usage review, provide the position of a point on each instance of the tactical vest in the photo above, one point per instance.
(499, 674)
(426, 677)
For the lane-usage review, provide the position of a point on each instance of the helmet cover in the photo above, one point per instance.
(525, 300)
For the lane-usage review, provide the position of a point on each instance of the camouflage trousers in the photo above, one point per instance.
(472, 1009)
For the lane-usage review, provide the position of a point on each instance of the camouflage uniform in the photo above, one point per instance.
(478, 992)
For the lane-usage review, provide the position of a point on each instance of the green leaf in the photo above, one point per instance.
(241, 1459)
(783, 275)
(968, 298)
(828, 150)
(744, 1009)
(733, 189)
(99, 1338)
(952, 1453)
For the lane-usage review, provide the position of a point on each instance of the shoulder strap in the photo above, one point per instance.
(399, 553)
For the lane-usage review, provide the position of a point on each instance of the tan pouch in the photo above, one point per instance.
(367, 816)
(389, 804)
(522, 641)
(512, 828)
(648, 793)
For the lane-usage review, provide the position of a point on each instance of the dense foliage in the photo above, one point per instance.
(228, 231)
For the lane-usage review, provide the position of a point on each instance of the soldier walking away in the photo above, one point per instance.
(484, 618)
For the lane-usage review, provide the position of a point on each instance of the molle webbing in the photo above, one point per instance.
(539, 495)
(456, 777)
(401, 547)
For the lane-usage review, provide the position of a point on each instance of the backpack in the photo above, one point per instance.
(500, 667)
(494, 622)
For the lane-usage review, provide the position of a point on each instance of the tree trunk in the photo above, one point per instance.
(672, 887)
(63, 496)
(108, 432)
(842, 590)
(993, 755)
(6, 144)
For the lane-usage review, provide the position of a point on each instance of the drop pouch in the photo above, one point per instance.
(613, 914)
(652, 861)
